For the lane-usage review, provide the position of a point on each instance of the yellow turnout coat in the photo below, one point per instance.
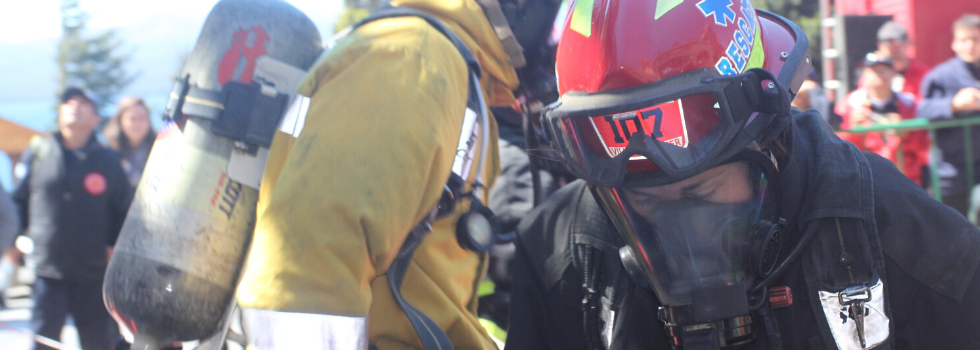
(378, 144)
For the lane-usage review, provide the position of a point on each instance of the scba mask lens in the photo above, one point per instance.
(719, 241)
(701, 243)
(701, 231)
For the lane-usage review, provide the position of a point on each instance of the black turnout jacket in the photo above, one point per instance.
(930, 255)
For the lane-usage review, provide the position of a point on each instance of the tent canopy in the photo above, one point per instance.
(14, 137)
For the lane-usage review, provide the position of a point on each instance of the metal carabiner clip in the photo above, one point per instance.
(855, 298)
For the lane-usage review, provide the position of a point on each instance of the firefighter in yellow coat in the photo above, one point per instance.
(340, 195)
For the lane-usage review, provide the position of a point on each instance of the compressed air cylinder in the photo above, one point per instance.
(178, 257)
(180, 253)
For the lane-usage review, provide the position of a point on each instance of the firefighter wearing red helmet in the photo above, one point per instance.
(711, 215)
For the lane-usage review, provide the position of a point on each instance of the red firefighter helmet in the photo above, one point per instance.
(655, 92)
(670, 86)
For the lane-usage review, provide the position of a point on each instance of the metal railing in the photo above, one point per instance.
(931, 126)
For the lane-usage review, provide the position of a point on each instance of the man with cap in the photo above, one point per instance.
(952, 91)
(893, 41)
(876, 102)
(9, 229)
(72, 201)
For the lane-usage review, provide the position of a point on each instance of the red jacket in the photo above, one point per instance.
(913, 78)
(914, 145)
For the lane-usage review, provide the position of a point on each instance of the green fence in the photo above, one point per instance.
(931, 126)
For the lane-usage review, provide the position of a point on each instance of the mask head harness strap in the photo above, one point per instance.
(491, 8)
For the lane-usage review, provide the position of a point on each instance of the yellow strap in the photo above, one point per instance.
(199, 101)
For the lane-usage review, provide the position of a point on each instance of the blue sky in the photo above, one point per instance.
(25, 21)
(156, 34)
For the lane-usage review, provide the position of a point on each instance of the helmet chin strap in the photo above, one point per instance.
(491, 8)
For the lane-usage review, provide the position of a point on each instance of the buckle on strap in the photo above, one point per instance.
(854, 300)
(178, 95)
(246, 113)
(251, 114)
(191, 100)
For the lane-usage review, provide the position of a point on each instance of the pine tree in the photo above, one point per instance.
(92, 63)
(354, 11)
(805, 13)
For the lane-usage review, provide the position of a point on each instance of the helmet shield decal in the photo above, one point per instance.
(663, 122)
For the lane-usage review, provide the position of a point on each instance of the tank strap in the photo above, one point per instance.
(248, 113)
(189, 99)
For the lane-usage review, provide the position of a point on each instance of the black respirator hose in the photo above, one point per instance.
(531, 144)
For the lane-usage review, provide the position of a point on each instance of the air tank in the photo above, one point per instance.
(180, 252)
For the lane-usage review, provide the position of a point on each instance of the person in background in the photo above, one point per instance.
(951, 91)
(813, 96)
(877, 102)
(9, 228)
(72, 201)
(893, 41)
(129, 132)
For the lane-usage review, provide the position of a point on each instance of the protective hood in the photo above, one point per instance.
(467, 20)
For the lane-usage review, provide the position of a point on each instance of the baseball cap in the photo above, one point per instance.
(891, 30)
(73, 92)
(873, 59)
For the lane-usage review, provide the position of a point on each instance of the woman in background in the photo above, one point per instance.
(129, 132)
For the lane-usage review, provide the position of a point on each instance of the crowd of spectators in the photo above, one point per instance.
(893, 87)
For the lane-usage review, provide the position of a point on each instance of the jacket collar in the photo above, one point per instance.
(834, 177)
(91, 145)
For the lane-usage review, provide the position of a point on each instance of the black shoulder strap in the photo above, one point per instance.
(844, 255)
(430, 334)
